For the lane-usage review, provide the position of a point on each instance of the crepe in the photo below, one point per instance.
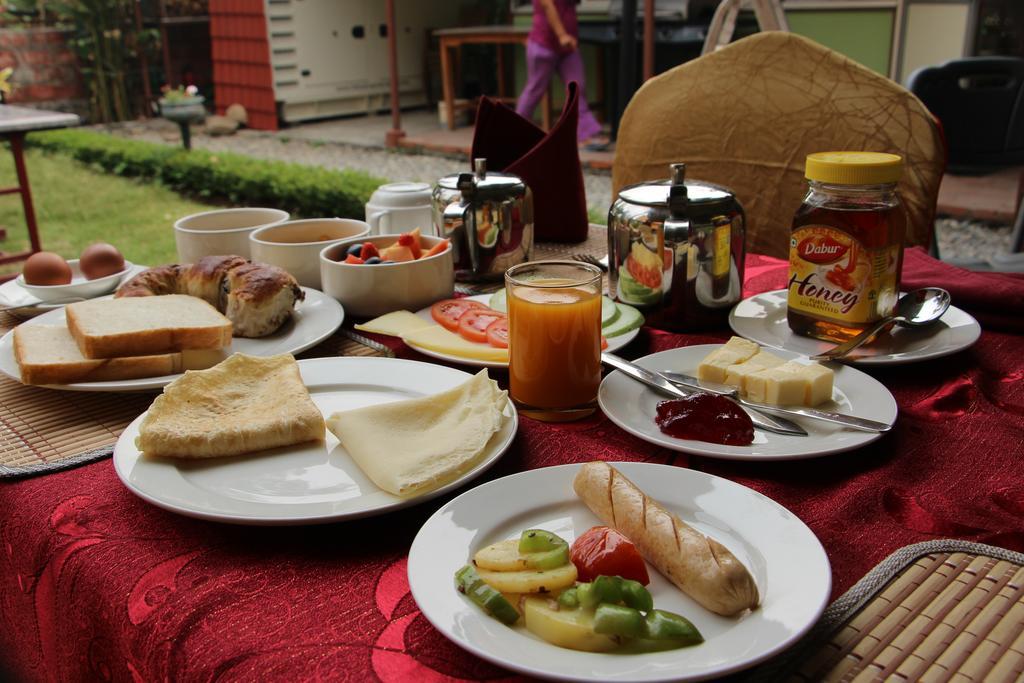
(241, 405)
(409, 447)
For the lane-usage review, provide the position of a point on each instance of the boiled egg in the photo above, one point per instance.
(46, 268)
(99, 260)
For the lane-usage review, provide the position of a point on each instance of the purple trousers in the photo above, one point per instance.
(541, 64)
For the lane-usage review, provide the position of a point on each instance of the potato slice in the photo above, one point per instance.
(530, 581)
(503, 556)
(573, 629)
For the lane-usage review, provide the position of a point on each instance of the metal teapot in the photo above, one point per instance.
(675, 250)
(489, 219)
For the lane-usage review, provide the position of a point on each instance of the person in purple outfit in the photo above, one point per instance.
(553, 45)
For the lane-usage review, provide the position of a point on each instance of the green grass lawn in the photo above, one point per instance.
(76, 206)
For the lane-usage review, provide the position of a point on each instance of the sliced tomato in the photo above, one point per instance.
(448, 311)
(436, 249)
(368, 249)
(352, 258)
(497, 333)
(602, 550)
(474, 323)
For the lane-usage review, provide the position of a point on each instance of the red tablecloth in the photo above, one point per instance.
(96, 584)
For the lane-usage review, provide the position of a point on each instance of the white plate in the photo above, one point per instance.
(632, 406)
(316, 318)
(13, 294)
(786, 559)
(614, 343)
(306, 483)
(762, 318)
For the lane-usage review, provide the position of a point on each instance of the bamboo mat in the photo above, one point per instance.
(43, 430)
(935, 611)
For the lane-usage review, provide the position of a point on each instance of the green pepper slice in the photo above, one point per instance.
(568, 599)
(616, 620)
(468, 582)
(662, 625)
(636, 596)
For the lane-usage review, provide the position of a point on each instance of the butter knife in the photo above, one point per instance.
(690, 382)
(769, 423)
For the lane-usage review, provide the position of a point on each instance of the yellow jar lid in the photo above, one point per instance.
(854, 168)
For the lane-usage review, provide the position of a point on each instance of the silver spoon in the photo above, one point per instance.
(915, 309)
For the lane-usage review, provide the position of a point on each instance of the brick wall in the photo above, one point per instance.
(241, 60)
(46, 73)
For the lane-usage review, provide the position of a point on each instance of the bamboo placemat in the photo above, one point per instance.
(43, 430)
(936, 611)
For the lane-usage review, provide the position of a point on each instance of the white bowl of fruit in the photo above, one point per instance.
(371, 276)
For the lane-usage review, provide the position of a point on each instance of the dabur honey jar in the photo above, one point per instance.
(846, 245)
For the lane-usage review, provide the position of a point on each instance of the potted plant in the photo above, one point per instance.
(183, 106)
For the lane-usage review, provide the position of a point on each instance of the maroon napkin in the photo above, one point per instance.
(995, 299)
(548, 163)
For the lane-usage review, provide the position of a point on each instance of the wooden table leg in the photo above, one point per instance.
(446, 84)
(18, 149)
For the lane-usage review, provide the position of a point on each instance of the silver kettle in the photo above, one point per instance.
(676, 250)
(489, 219)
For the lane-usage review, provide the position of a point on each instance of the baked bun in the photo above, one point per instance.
(257, 298)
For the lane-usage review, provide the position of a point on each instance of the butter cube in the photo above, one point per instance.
(736, 375)
(792, 383)
(736, 350)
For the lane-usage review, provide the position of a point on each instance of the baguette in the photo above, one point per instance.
(699, 566)
(48, 354)
(140, 326)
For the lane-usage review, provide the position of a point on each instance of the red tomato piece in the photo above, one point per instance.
(369, 249)
(604, 343)
(473, 324)
(352, 258)
(448, 311)
(497, 333)
(602, 550)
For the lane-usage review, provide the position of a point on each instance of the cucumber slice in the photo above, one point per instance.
(498, 301)
(609, 312)
(629, 319)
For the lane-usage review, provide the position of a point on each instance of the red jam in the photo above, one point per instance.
(706, 417)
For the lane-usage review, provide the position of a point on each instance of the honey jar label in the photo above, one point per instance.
(834, 277)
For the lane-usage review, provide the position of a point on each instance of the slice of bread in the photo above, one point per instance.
(242, 405)
(140, 326)
(48, 354)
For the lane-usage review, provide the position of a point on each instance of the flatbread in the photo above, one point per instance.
(409, 447)
(241, 405)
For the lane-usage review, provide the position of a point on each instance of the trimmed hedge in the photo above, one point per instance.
(301, 190)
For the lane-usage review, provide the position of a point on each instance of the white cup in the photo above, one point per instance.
(296, 245)
(400, 207)
(223, 232)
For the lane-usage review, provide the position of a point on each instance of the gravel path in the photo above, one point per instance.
(961, 239)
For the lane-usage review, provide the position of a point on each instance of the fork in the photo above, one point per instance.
(592, 260)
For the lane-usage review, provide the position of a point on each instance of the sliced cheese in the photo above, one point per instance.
(736, 375)
(736, 350)
(438, 339)
(792, 383)
(395, 324)
(408, 447)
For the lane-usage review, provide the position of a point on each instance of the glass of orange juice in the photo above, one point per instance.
(554, 318)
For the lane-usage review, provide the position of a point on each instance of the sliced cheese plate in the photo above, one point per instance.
(632, 406)
(308, 483)
(482, 355)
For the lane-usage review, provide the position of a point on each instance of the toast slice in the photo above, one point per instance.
(242, 405)
(140, 326)
(48, 354)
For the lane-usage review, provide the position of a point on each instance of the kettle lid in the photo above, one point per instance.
(488, 181)
(656, 193)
